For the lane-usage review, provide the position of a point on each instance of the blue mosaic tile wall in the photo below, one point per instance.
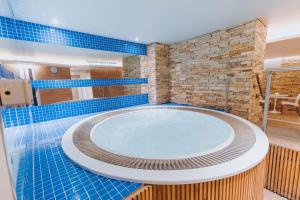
(22, 30)
(28, 115)
(4, 73)
(50, 84)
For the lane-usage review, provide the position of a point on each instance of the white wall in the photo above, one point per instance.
(6, 186)
(81, 92)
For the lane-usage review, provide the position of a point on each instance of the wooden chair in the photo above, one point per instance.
(294, 104)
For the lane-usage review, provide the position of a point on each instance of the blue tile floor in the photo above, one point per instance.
(42, 171)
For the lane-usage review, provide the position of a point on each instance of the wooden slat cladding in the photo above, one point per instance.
(283, 172)
(144, 193)
(248, 185)
(282, 177)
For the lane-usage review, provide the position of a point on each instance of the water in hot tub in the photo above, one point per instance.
(162, 134)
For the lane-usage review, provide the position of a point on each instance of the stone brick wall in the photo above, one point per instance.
(286, 82)
(198, 69)
(132, 69)
(260, 33)
(155, 68)
(195, 71)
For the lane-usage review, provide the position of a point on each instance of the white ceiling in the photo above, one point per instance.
(165, 21)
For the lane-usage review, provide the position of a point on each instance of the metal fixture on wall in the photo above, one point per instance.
(15, 92)
(228, 76)
(259, 85)
(53, 70)
(267, 100)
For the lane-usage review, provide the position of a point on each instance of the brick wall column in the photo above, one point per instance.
(155, 67)
(132, 69)
(259, 34)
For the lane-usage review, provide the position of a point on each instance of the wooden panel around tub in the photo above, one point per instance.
(143, 193)
(283, 172)
(248, 185)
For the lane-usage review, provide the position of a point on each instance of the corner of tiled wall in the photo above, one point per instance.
(155, 67)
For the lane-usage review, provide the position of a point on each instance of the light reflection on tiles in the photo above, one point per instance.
(46, 173)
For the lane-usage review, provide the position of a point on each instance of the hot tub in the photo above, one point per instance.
(166, 145)
(162, 134)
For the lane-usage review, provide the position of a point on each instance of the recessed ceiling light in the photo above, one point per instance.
(55, 22)
(137, 39)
